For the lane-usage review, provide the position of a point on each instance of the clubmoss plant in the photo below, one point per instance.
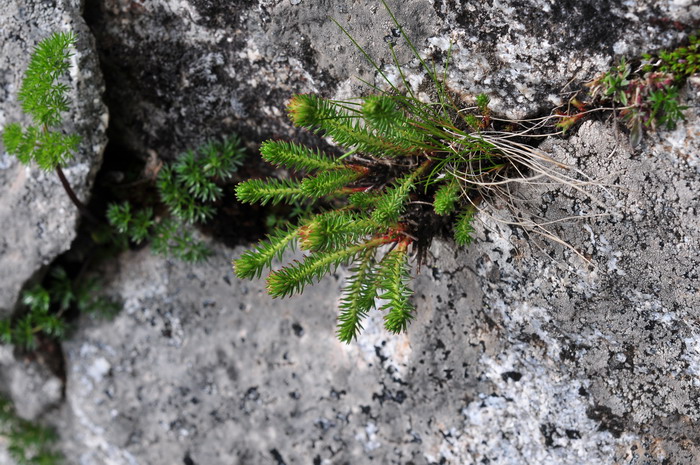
(46, 309)
(44, 98)
(27, 443)
(189, 189)
(406, 166)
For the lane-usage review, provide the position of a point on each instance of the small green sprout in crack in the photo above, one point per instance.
(190, 189)
(647, 96)
(44, 98)
(47, 306)
(27, 443)
(408, 170)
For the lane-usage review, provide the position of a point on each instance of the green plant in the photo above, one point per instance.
(192, 184)
(27, 443)
(189, 189)
(406, 164)
(681, 62)
(648, 98)
(47, 306)
(44, 98)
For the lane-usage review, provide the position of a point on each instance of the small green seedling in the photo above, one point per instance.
(648, 98)
(44, 97)
(190, 189)
(47, 308)
(26, 442)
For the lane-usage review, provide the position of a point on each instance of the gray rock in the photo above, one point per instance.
(521, 352)
(33, 389)
(39, 221)
(183, 71)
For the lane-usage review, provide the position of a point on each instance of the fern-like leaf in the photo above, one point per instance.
(358, 298)
(463, 228)
(292, 279)
(21, 143)
(42, 96)
(394, 275)
(296, 157)
(48, 149)
(253, 262)
(13, 138)
(268, 191)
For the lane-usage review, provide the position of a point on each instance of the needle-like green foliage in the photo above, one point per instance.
(170, 238)
(190, 189)
(271, 191)
(358, 298)
(328, 182)
(252, 263)
(446, 197)
(26, 442)
(464, 230)
(335, 228)
(44, 97)
(394, 275)
(392, 144)
(292, 279)
(180, 199)
(389, 208)
(296, 157)
(404, 163)
(373, 216)
(46, 307)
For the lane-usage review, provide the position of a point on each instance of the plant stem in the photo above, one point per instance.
(74, 198)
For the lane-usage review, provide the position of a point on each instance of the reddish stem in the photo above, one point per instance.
(74, 198)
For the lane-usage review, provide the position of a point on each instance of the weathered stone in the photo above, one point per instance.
(521, 352)
(33, 389)
(38, 220)
(181, 71)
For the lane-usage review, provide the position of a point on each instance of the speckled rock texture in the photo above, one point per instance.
(180, 71)
(34, 390)
(522, 352)
(38, 220)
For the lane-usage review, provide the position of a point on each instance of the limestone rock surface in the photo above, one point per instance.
(180, 71)
(523, 351)
(33, 389)
(38, 220)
